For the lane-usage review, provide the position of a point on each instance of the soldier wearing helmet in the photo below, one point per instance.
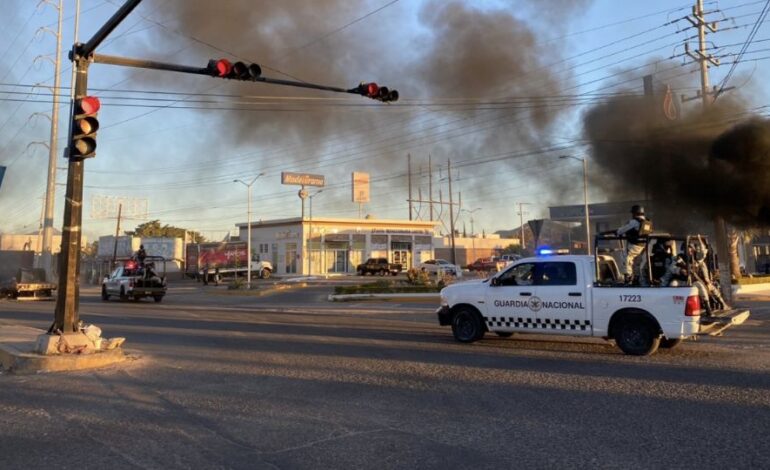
(634, 232)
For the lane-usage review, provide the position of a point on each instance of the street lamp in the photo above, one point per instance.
(473, 233)
(310, 235)
(248, 222)
(585, 199)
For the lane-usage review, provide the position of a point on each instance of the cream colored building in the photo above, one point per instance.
(332, 245)
(469, 249)
(30, 242)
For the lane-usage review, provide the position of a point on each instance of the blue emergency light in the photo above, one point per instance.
(546, 251)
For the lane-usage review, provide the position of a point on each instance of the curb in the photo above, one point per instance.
(21, 363)
(751, 288)
(18, 356)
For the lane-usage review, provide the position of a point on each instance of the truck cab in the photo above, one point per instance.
(579, 295)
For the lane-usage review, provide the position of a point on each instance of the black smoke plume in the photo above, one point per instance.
(695, 167)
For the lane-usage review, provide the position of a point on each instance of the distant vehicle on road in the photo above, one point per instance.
(134, 281)
(440, 267)
(487, 264)
(214, 262)
(28, 284)
(510, 257)
(379, 266)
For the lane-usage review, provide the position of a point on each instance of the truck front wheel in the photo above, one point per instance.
(637, 336)
(467, 325)
(265, 274)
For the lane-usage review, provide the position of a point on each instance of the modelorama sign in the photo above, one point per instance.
(302, 179)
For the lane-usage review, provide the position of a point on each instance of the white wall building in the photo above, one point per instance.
(330, 245)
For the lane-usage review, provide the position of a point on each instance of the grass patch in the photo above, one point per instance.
(385, 287)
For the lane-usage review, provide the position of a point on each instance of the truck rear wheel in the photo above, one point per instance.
(105, 295)
(157, 298)
(637, 336)
(467, 325)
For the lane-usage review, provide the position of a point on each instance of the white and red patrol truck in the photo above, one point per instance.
(580, 295)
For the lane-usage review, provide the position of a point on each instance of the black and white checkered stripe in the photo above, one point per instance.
(538, 323)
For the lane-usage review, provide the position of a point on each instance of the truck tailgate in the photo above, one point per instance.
(716, 323)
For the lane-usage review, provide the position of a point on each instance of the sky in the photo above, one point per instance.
(498, 88)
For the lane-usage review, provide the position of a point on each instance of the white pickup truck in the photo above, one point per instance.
(570, 295)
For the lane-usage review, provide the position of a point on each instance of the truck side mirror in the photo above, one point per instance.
(494, 282)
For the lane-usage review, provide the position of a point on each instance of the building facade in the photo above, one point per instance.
(336, 246)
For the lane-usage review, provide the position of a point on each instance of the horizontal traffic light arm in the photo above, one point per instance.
(150, 64)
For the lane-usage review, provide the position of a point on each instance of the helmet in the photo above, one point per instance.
(637, 210)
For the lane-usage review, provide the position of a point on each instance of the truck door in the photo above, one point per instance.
(562, 298)
(509, 299)
(112, 281)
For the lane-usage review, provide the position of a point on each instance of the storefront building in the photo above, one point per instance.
(336, 246)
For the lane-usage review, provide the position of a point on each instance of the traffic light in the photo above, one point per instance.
(84, 127)
(375, 92)
(223, 68)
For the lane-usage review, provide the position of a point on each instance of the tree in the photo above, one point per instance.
(154, 228)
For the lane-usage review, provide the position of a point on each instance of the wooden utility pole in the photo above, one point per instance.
(705, 60)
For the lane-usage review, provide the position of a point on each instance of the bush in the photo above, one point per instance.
(237, 284)
(418, 277)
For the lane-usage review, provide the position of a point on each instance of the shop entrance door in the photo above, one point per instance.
(340, 261)
(402, 254)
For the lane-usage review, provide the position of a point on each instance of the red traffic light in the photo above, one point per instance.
(375, 92)
(89, 104)
(84, 126)
(223, 67)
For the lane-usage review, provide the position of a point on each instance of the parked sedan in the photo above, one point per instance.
(440, 267)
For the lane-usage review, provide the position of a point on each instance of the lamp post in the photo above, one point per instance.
(473, 233)
(248, 223)
(585, 199)
(310, 235)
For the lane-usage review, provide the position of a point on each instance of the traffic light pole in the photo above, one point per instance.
(66, 316)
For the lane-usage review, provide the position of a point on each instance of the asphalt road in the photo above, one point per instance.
(292, 381)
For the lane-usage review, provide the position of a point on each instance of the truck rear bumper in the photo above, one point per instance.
(714, 325)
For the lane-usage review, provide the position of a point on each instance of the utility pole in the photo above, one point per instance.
(117, 234)
(430, 187)
(409, 182)
(50, 193)
(705, 60)
(451, 213)
(521, 222)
